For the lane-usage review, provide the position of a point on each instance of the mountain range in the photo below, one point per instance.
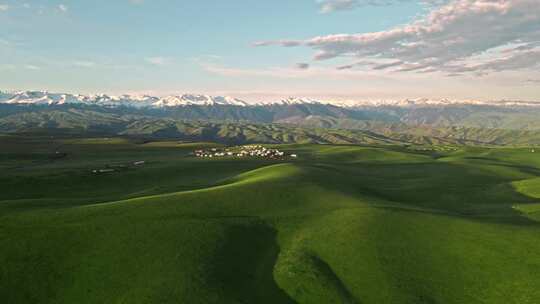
(218, 118)
(146, 101)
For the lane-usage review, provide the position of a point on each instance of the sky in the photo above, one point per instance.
(264, 50)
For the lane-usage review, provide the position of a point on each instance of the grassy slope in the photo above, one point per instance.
(342, 224)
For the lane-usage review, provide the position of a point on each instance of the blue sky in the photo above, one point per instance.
(166, 47)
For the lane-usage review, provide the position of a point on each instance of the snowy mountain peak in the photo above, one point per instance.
(199, 100)
(146, 101)
(141, 101)
(298, 100)
(427, 102)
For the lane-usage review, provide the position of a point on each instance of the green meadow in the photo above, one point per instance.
(338, 224)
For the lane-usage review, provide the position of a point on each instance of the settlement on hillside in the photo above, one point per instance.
(243, 151)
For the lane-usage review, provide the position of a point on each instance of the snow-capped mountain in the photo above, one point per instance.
(297, 100)
(145, 101)
(517, 115)
(46, 98)
(31, 97)
(426, 102)
(200, 100)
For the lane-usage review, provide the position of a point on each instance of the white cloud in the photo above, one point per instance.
(32, 67)
(205, 58)
(157, 60)
(337, 5)
(357, 83)
(4, 7)
(286, 72)
(328, 6)
(84, 64)
(478, 36)
(63, 8)
(285, 43)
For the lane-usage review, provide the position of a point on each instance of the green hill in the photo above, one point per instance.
(339, 224)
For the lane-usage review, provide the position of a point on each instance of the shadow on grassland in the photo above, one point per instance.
(461, 190)
(244, 266)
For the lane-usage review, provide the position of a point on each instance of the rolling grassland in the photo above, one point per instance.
(339, 224)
